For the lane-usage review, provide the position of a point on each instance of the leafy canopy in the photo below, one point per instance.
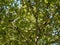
(29, 22)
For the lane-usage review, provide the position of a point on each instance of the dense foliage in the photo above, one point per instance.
(29, 22)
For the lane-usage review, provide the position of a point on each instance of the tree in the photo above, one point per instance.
(29, 22)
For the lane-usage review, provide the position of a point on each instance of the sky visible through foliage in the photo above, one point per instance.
(29, 22)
